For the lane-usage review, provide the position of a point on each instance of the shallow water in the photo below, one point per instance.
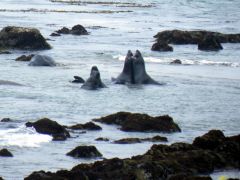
(201, 94)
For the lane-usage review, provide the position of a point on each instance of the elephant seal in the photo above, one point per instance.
(94, 81)
(9, 83)
(42, 60)
(127, 75)
(134, 71)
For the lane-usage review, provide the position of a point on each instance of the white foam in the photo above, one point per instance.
(22, 137)
(184, 61)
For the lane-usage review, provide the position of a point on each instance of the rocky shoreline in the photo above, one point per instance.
(212, 151)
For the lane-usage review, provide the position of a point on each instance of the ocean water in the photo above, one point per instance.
(201, 94)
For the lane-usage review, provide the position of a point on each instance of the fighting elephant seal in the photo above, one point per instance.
(94, 81)
(134, 71)
(42, 60)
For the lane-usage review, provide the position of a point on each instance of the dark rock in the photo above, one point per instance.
(85, 152)
(179, 161)
(64, 30)
(139, 140)
(86, 126)
(128, 141)
(24, 58)
(1, 178)
(141, 122)
(5, 153)
(55, 34)
(78, 30)
(5, 52)
(102, 139)
(188, 177)
(42, 60)
(94, 82)
(161, 46)
(210, 140)
(78, 79)
(22, 38)
(6, 120)
(194, 37)
(176, 61)
(156, 139)
(210, 43)
(47, 126)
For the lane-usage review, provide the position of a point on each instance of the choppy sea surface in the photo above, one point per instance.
(201, 94)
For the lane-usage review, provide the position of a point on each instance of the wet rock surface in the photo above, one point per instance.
(176, 161)
(102, 139)
(139, 140)
(76, 30)
(5, 153)
(6, 120)
(141, 122)
(12, 37)
(42, 60)
(194, 37)
(24, 58)
(47, 126)
(176, 61)
(85, 152)
(87, 126)
(162, 46)
(210, 43)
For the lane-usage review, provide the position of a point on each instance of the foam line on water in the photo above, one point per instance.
(184, 61)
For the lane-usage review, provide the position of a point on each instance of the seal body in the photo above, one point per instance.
(134, 71)
(94, 82)
(42, 60)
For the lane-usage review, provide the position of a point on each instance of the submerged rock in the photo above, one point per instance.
(102, 139)
(6, 120)
(5, 153)
(176, 61)
(76, 30)
(85, 152)
(42, 60)
(24, 58)
(78, 79)
(210, 43)
(161, 46)
(55, 34)
(141, 122)
(86, 126)
(47, 126)
(94, 82)
(12, 37)
(139, 140)
(168, 162)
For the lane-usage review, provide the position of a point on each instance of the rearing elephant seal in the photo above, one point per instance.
(94, 81)
(134, 71)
